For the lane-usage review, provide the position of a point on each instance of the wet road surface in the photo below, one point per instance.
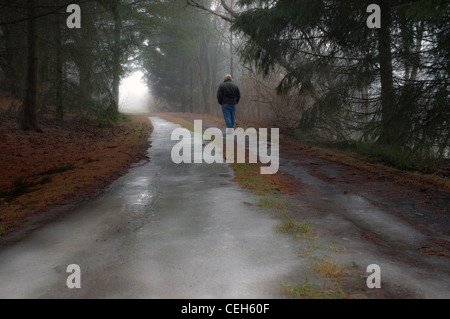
(161, 231)
(188, 231)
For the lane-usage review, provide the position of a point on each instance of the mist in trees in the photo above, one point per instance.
(384, 90)
(311, 67)
(47, 64)
(187, 59)
(387, 85)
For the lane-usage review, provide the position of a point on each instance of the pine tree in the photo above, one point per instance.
(395, 76)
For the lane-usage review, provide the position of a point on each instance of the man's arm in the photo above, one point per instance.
(220, 95)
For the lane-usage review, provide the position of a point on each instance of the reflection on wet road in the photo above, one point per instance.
(161, 231)
(187, 231)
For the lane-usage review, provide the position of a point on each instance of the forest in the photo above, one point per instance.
(312, 68)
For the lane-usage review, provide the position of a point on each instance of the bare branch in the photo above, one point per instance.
(228, 9)
(195, 4)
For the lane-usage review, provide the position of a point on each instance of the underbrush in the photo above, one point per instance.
(63, 164)
(394, 156)
(400, 157)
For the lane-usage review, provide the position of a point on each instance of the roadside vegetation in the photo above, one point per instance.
(63, 164)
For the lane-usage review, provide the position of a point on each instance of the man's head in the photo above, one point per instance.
(228, 77)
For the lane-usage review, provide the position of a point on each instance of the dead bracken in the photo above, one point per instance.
(41, 171)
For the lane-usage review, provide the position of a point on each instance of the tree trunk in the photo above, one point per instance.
(388, 129)
(191, 89)
(231, 55)
(207, 88)
(418, 47)
(59, 116)
(117, 56)
(183, 86)
(29, 117)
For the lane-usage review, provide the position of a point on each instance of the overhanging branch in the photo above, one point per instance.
(197, 5)
(229, 9)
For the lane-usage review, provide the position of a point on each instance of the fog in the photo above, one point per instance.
(135, 96)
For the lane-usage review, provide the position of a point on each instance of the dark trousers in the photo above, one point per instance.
(229, 113)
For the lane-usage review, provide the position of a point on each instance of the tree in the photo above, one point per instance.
(182, 62)
(29, 117)
(327, 51)
(387, 87)
(76, 69)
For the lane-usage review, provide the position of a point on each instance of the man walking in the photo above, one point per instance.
(229, 96)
